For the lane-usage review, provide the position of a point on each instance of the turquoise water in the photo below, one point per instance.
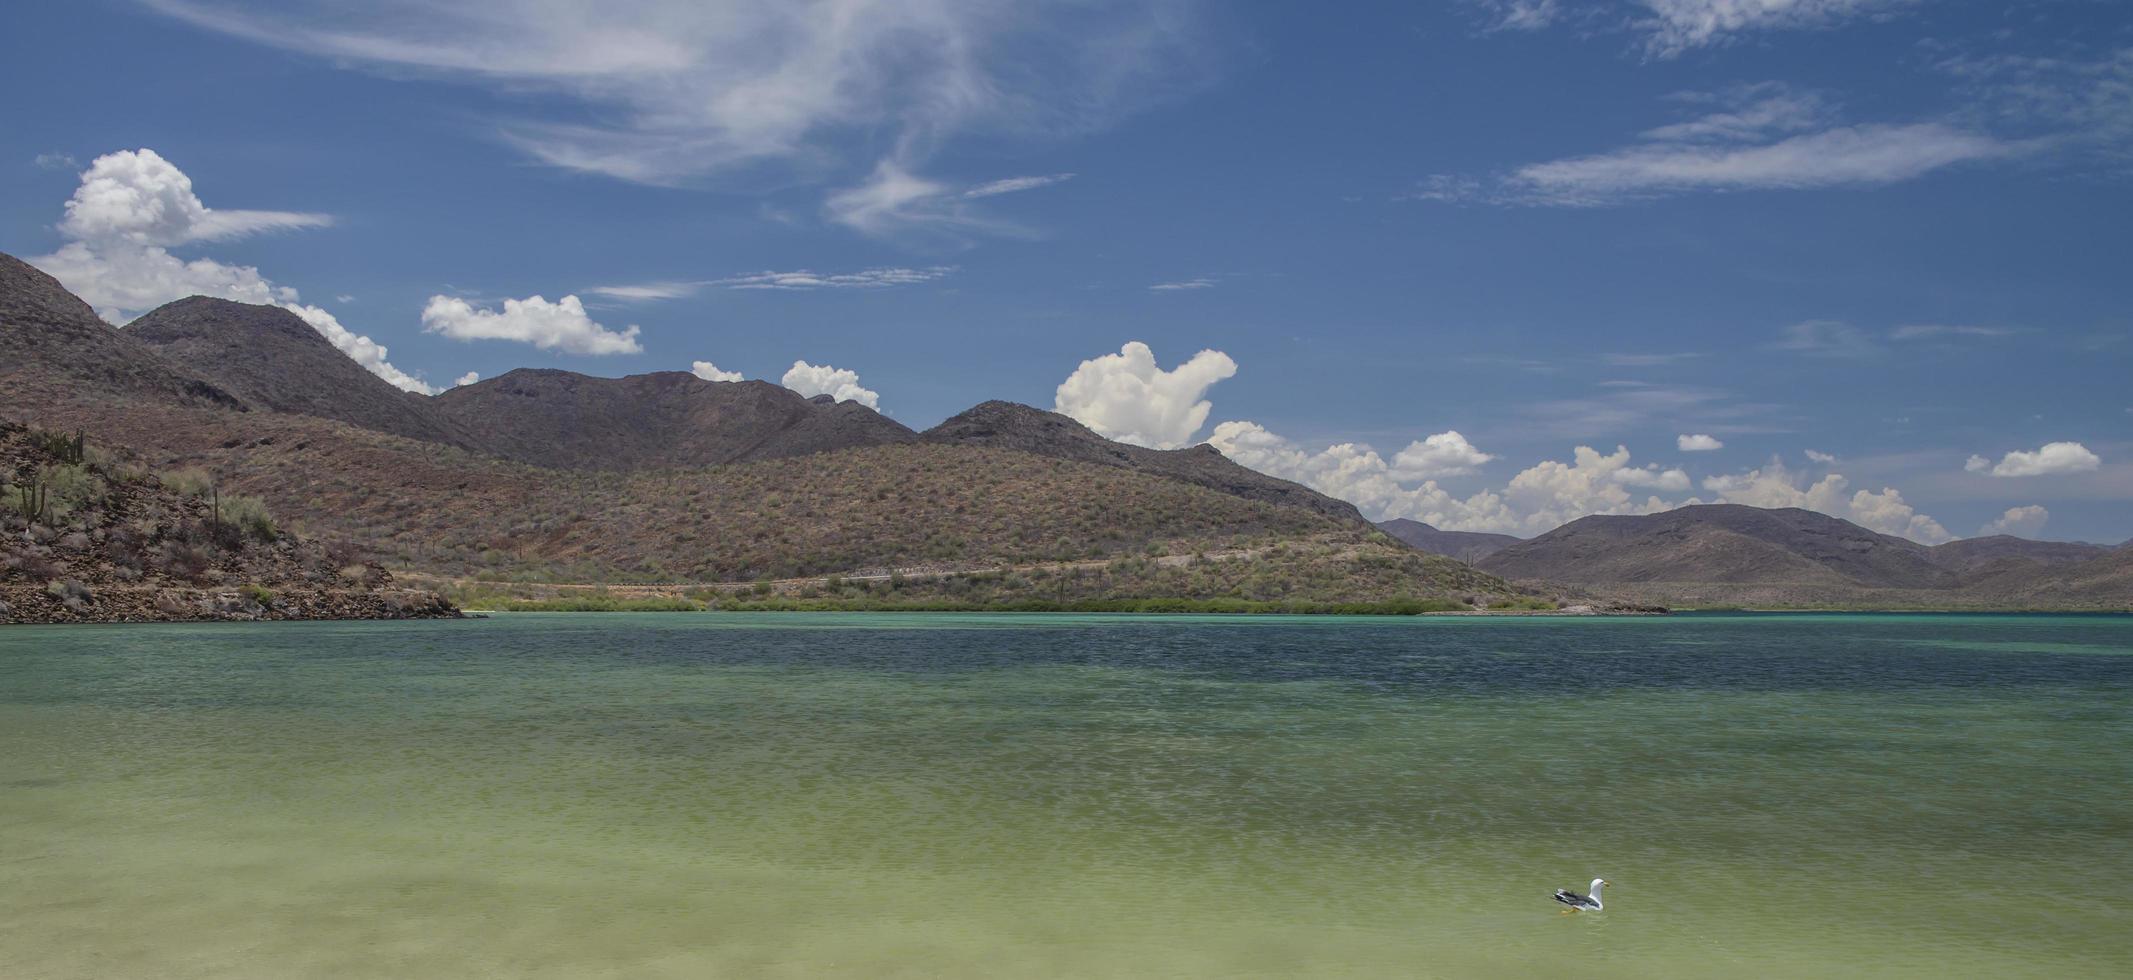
(684, 795)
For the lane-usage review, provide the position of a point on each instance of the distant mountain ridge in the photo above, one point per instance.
(1468, 546)
(1726, 554)
(566, 420)
(1008, 425)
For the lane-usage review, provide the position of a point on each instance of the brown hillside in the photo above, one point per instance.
(54, 347)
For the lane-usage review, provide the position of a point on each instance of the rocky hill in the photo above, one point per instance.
(274, 361)
(53, 347)
(567, 420)
(88, 536)
(1467, 546)
(1007, 425)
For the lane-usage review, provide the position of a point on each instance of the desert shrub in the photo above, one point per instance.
(71, 593)
(184, 560)
(249, 516)
(256, 592)
(189, 482)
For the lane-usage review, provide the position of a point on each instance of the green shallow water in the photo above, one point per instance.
(693, 795)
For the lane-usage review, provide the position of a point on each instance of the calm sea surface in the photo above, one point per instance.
(704, 795)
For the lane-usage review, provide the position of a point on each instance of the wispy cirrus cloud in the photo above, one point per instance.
(1012, 185)
(1763, 137)
(1200, 282)
(796, 280)
(1670, 28)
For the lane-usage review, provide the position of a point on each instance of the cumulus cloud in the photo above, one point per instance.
(363, 350)
(466, 379)
(1651, 476)
(132, 206)
(822, 379)
(54, 161)
(562, 325)
(1775, 486)
(1443, 454)
(2052, 459)
(137, 196)
(1534, 501)
(1127, 397)
(1697, 443)
(2021, 522)
(681, 89)
(710, 372)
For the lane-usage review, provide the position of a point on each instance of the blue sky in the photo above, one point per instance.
(1434, 248)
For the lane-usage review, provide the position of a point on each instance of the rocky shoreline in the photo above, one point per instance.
(27, 606)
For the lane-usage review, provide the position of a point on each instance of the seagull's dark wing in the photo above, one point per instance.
(1568, 897)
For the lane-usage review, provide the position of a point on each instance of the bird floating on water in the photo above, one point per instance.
(1586, 903)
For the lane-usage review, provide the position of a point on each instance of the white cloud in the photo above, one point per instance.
(1650, 476)
(1817, 456)
(1443, 454)
(138, 197)
(1676, 26)
(1203, 282)
(133, 203)
(2021, 522)
(344, 299)
(1930, 331)
(363, 350)
(2052, 459)
(683, 88)
(1013, 185)
(710, 372)
(645, 292)
(1697, 443)
(1826, 338)
(1534, 501)
(54, 161)
(1775, 486)
(865, 279)
(561, 325)
(893, 200)
(1649, 360)
(466, 379)
(1521, 15)
(812, 379)
(1849, 156)
(1760, 138)
(1127, 397)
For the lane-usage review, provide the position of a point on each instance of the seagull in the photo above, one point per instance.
(1577, 902)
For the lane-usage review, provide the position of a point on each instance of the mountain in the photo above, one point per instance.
(557, 479)
(273, 360)
(1721, 543)
(1971, 554)
(1007, 425)
(53, 347)
(1732, 555)
(1467, 546)
(563, 419)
